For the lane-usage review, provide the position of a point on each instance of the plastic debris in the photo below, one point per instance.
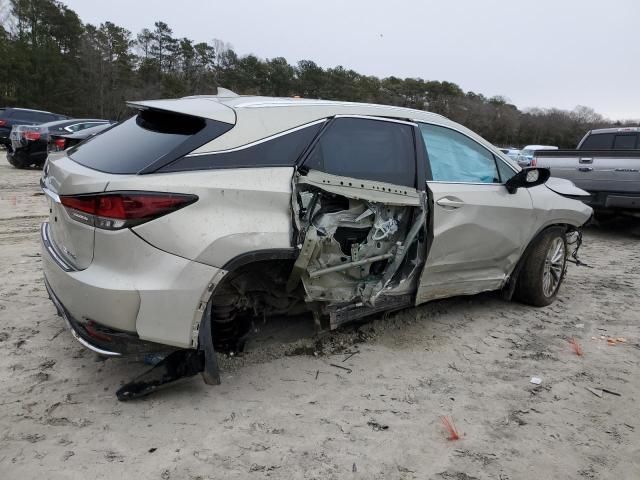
(611, 392)
(575, 346)
(451, 428)
(596, 391)
(536, 380)
(579, 325)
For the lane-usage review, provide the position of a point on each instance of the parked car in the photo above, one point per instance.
(179, 226)
(606, 163)
(62, 141)
(512, 153)
(30, 144)
(10, 117)
(526, 154)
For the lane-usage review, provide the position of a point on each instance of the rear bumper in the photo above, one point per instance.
(100, 339)
(27, 157)
(614, 200)
(131, 292)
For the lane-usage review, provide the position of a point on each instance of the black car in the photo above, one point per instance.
(10, 117)
(31, 144)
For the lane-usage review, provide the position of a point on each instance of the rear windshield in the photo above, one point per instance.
(151, 138)
(625, 141)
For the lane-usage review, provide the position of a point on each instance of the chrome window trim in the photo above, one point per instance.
(381, 119)
(262, 140)
(466, 183)
(93, 124)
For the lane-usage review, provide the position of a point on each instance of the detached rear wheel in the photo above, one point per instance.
(543, 270)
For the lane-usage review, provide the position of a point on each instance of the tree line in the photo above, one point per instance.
(50, 60)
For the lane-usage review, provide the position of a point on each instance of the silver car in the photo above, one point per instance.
(177, 227)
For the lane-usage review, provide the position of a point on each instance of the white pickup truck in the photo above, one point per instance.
(606, 163)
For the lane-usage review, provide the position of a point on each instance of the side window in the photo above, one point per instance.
(367, 149)
(456, 158)
(42, 117)
(506, 172)
(598, 141)
(624, 141)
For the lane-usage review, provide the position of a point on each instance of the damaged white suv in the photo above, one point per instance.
(178, 226)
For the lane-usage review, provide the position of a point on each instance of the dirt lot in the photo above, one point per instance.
(283, 412)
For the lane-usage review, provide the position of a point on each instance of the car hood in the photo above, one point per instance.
(563, 186)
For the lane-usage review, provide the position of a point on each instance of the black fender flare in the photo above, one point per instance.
(246, 258)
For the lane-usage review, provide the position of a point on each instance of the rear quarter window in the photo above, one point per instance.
(146, 142)
(281, 151)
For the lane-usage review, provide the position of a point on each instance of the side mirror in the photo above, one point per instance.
(527, 178)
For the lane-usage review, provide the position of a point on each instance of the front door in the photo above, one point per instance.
(479, 228)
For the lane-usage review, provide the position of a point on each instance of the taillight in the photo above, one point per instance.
(31, 135)
(534, 162)
(113, 211)
(60, 143)
(3, 123)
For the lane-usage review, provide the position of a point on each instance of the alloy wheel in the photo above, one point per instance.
(553, 267)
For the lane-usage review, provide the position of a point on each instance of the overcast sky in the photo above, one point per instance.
(544, 53)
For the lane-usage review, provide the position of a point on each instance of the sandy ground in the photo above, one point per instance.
(283, 412)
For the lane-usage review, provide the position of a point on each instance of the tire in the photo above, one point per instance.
(543, 270)
(16, 162)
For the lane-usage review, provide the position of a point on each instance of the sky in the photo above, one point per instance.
(536, 53)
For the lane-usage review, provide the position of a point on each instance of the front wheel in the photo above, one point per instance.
(543, 270)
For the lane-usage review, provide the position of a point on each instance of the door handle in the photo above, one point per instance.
(450, 203)
(586, 160)
(585, 169)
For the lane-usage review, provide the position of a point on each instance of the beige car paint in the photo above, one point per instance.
(134, 287)
(156, 284)
(475, 245)
(238, 210)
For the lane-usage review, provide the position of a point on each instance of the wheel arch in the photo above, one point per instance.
(510, 286)
(241, 260)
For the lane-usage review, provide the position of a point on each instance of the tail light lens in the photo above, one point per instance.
(31, 135)
(59, 143)
(3, 123)
(534, 162)
(113, 211)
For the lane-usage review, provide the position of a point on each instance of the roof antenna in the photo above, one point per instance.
(225, 92)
